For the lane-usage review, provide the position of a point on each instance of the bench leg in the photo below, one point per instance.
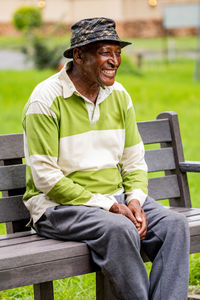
(104, 290)
(43, 291)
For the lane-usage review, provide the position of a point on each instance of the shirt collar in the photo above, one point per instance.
(69, 88)
(67, 84)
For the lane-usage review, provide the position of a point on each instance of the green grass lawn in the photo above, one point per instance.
(144, 44)
(160, 87)
(159, 43)
(17, 42)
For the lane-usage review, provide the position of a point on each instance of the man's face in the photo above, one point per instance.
(101, 61)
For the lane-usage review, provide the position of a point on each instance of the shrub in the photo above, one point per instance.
(42, 54)
(44, 57)
(27, 17)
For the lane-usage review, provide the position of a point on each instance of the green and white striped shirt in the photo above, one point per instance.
(78, 152)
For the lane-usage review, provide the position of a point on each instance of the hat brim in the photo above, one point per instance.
(69, 52)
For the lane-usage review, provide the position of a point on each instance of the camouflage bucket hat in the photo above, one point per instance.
(92, 30)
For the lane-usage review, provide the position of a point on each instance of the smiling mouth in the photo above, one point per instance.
(109, 73)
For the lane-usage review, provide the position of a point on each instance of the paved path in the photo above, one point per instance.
(15, 60)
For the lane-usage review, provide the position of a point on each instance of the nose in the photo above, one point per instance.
(115, 60)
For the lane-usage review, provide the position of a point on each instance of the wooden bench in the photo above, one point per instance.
(26, 258)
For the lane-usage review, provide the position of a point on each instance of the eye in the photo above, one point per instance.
(118, 53)
(105, 53)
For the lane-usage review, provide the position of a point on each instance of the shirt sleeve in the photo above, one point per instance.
(41, 127)
(132, 163)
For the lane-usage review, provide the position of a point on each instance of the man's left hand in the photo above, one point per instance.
(140, 216)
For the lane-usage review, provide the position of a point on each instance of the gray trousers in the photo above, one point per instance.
(115, 247)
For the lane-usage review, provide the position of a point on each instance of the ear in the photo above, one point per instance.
(78, 55)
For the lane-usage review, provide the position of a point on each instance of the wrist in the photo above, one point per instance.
(134, 202)
(136, 194)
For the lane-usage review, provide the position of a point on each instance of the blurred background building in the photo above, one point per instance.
(135, 18)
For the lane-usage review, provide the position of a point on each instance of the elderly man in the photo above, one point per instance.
(86, 173)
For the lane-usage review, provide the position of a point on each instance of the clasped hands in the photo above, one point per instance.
(135, 213)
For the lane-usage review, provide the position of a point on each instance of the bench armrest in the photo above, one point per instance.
(189, 166)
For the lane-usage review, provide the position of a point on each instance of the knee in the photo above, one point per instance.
(121, 228)
(177, 218)
(117, 223)
(177, 222)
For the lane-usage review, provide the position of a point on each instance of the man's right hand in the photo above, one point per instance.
(125, 211)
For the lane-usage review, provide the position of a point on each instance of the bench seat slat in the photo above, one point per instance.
(13, 209)
(21, 240)
(11, 146)
(37, 273)
(16, 235)
(39, 252)
(160, 159)
(45, 250)
(156, 131)
(187, 212)
(194, 218)
(195, 228)
(191, 212)
(12, 177)
(181, 209)
(63, 267)
(164, 187)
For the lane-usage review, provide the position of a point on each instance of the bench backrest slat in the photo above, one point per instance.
(12, 209)
(156, 131)
(164, 187)
(160, 159)
(12, 177)
(11, 146)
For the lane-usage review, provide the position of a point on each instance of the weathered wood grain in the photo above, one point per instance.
(11, 146)
(155, 131)
(190, 166)
(39, 251)
(44, 272)
(43, 291)
(184, 199)
(16, 235)
(21, 240)
(12, 177)
(165, 187)
(195, 244)
(194, 228)
(160, 159)
(13, 209)
(187, 212)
